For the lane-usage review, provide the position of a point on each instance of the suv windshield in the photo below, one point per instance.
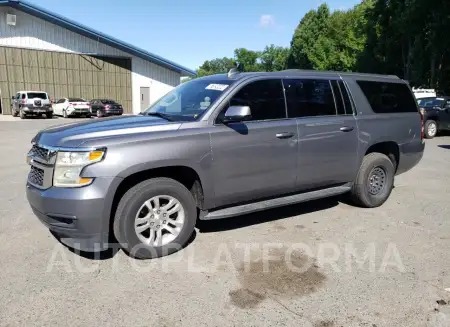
(40, 95)
(188, 101)
(430, 102)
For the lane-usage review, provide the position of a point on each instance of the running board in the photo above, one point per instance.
(273, 203)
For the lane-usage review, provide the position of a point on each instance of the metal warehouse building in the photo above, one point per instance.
(40, 50)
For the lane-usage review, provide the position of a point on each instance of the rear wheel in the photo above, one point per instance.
(430, 129)
(374, 181)
(155, 218)
(22, 114)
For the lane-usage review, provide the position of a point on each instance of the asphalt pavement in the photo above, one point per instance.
(324, 263)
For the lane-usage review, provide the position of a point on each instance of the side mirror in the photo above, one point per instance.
(236, 114)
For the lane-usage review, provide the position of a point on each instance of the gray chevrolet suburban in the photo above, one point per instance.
(222, 146)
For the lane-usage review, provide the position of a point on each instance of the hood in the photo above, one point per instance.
(76, 134)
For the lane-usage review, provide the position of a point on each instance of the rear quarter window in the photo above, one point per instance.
(387, 97)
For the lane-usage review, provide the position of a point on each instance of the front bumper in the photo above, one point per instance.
(79, 216)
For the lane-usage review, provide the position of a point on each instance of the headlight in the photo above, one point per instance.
(69, 165)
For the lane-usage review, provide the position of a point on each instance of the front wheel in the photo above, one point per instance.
(155, 218)
(374, 181)
(431, 129)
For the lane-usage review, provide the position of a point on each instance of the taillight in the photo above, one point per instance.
(107, 106)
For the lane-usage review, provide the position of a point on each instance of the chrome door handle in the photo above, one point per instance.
(346, 129)
(285, 135)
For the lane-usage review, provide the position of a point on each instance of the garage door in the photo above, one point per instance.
(64, 75)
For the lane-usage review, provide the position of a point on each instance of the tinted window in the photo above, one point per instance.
(346, 97)
(40, 95)
(307, 97)
(109, 102)
(431, 102)
(265, 99)
(76, 100)
(338, 98)
(388, 97)
(24, 96)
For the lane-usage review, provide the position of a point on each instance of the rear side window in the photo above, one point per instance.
(265, 99)
(388, 97)
(40, 95)
(24, 96)
(309, 97)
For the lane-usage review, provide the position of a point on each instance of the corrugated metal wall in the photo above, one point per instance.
(34, 33)
(64, 75)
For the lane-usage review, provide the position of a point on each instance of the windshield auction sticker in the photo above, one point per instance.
(216, 87)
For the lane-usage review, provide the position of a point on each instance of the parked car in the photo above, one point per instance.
(68, 107)
(27, 103)
(105, 107)
(436, 113)
(222, 146)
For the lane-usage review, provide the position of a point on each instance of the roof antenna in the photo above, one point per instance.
(236, 70)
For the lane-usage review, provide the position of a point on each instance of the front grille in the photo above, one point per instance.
(38, 152)
(36, 176)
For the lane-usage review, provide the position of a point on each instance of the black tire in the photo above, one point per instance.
(361, 191)
(22, 114)
(429, 131)
(49, 115)
(132, 201)
(14, 113)
(65, 114)
(99, 113)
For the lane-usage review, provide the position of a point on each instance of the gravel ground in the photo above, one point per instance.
(359, 267)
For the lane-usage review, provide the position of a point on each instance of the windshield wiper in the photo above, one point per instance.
(160, 115)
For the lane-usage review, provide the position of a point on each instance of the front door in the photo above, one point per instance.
(145, 98)
(256, 158)
(328, 144)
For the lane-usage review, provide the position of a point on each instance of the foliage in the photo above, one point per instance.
(407, 38)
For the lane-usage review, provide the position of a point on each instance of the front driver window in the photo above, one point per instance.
(264, 97)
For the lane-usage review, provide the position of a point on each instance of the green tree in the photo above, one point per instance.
(215, 66)
(307, 33)
(274, 58)
(248, 59)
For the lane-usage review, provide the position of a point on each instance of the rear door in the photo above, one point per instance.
(327, 152)
(256, 158)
